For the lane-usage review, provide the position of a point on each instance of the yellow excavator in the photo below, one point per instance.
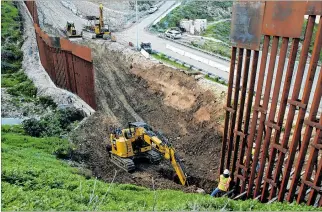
(140, 141)
(71, 31)
(101, 30)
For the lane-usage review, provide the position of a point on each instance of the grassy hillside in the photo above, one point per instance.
(35, 178)
(210, 10)
(12, 76)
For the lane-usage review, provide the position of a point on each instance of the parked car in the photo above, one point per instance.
(173, 34)
(152, 9)
(147, 47)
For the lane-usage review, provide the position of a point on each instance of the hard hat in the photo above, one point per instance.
(226, 171)
(254, 145)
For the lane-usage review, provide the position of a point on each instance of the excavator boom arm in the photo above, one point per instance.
(168, 153)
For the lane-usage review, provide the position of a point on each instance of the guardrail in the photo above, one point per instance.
(193, 47)
(192, 67)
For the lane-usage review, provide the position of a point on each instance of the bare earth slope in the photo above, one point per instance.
(132, 88)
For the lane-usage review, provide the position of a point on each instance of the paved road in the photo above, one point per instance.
(159, 44)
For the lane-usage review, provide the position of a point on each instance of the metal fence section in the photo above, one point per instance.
(272, 140)
(69, 65)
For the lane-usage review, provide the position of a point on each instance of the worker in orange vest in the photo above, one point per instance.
(223, 184)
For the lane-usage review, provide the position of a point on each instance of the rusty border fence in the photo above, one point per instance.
(69, 65)
(272, 140)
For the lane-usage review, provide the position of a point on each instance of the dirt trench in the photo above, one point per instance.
(132, 88)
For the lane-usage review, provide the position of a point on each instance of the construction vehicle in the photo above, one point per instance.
(71, 31)
(140, 141)
(101, 30)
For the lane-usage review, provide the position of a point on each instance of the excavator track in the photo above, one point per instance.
(153, 156)
(123, 163)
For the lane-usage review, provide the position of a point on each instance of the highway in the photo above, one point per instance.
(218, 67)
(159, 44)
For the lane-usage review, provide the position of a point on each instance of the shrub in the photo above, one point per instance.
(33, 127)
(57, 123)
(25, 88)
(46, 101)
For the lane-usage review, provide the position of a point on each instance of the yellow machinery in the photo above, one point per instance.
(140, 141)
(71, 31)
(100, 30)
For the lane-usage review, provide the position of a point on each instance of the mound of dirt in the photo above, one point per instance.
(132, 88)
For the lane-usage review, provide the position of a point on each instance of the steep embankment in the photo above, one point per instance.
(132, 88)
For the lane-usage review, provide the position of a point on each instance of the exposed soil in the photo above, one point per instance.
(132, 88)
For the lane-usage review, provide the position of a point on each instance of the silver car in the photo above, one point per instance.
(173, 34)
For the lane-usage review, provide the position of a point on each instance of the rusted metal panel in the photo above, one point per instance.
(82, 52)
(313, 8)
(228, 105)
(55, 41)
(271, 117)
(66, 45)
(84, 75)
(264, 106)
(61, 70)
(68, 65)
(246, 24)
(281, 113)
(284, 18)
(247, 118)
(70, 71)
(238, 134)
(300, 119)
(253, 123)
(235, 105)
(295, 96)
(313, 156)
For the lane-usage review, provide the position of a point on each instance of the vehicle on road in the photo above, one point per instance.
(152, 9)
(173, 34)
(147, 47)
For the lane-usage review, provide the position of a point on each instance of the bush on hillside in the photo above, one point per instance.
(56, 124)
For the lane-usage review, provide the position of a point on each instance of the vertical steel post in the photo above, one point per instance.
(293, 102)
(260, 81)
(313, 156)
(263, 109)
(312, 116)
(227, 107)
(235, 104)
(289, 121)
(247, 118)
(238, 132)
(270, 122)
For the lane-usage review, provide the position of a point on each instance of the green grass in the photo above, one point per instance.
(10, 24)
(220, 31)
(215, 79)
(12, 76)
(166, 60)
(215, 47)
(193, 10)
(33, 178)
